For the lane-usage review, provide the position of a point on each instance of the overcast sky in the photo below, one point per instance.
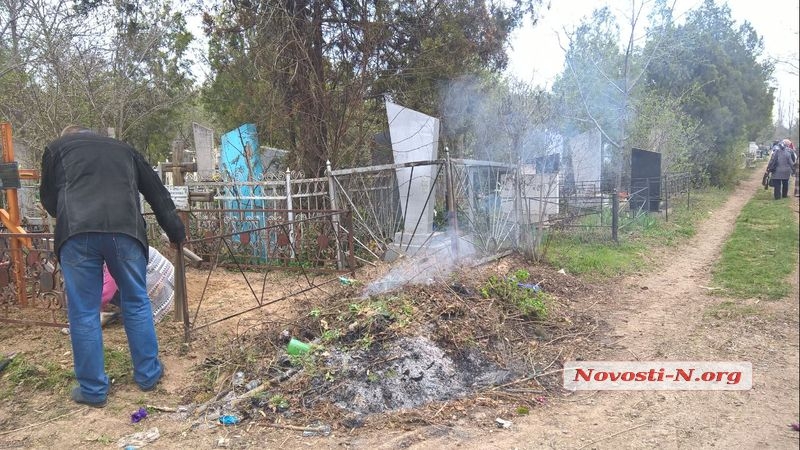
(536, 56)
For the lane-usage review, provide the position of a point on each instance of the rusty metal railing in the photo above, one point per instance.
(312, 241)
(31, 286)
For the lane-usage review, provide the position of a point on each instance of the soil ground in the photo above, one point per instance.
(666, 315)
(669, 313)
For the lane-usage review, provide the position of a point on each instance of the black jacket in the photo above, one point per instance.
(91, 183)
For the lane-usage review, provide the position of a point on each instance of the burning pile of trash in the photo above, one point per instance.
(401, 346)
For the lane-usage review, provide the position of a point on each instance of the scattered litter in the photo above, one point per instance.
(228, 420)
(533, 287)
(164, 408)
(252, 385)
(347, 281)
(562, 271)
(317, 429)
(139, 415)
(503, 423)
(7, 361)
(795, 426)
(296, 347)
(238, 379)
(140, 439)
(65, 331)
(223, 442)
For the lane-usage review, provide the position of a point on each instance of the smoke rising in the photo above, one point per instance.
(434, 261)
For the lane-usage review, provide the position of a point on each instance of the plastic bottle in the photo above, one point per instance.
(296, 347)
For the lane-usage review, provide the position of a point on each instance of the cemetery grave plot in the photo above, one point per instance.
(402, 349)
(376, 360)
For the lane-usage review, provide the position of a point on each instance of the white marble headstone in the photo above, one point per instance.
(415, 137)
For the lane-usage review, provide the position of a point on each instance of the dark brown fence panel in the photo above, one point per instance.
(31, 286)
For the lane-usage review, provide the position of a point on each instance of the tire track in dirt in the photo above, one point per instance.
(663, 315)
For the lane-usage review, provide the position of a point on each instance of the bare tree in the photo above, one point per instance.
(606, 79)
(104, 67)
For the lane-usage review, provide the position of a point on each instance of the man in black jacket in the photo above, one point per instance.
(91, 185)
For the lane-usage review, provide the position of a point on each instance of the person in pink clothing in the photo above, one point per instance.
(109, 288)
(160, 287)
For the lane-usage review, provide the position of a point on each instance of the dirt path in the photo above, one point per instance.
(664, 316)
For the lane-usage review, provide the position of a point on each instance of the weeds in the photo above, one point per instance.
(118, 364)
(360, 323)
(330, 335)
(278, 402)
(307, 362)
(49, 375)
(512, 290)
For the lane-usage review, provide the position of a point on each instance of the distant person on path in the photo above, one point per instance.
(781, 166)
(91, 185)
(790, 145)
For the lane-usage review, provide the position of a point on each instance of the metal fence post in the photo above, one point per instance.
(181, 303)
(666, 198)
(335, 217)
(290, 214)
(451, 199)
(615, 215)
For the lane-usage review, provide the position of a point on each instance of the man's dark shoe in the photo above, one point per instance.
(158, 380)
(77, 397)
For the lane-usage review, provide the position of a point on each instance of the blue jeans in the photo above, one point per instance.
(82, 259)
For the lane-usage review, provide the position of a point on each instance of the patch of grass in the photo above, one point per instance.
(512, 291)
(597, 256)
(330, 335)
(596, 259)
(209, 378)
(761, 252)
(118, 364)
(684, 217)
(279, 402)
(731, 310)
(307, 362)
(56, 377)
(104, 439)
(48, 375)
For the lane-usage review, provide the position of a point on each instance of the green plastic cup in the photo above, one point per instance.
(296, 347)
